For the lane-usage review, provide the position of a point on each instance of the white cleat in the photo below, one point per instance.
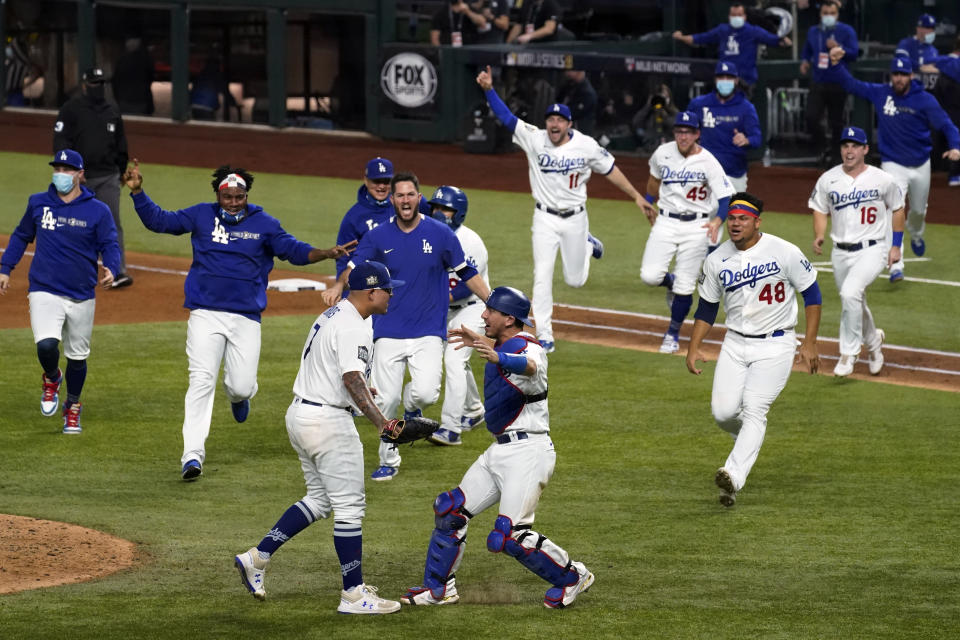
(558, 598)
(422, 595)
(363, 599)
(723, 480)
(844, 366)
(669, 344)
(252, 567)
(875, 358)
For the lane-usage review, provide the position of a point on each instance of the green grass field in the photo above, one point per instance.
(846, 527)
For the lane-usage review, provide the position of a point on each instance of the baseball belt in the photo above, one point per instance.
(318, 404)
(856, 246)
(566, 213)
(685, 217)
(775, 334)
(511, 437)
(455, 307)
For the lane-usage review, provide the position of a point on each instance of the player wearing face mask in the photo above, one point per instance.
(919, 47)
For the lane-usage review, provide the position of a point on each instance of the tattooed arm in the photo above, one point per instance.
(357, 386)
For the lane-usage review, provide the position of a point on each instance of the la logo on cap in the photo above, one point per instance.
(382, 168)
(724, 67)
(849, 132)
(900, 63)
(686, 117)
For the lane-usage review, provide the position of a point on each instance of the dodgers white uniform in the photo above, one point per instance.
(862, 212)
(558, 180)
(758, 287)
(460, 394)
(320, 420)
(689, 190)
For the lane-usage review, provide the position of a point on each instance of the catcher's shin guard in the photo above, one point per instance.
(534, 551)
(447, 542)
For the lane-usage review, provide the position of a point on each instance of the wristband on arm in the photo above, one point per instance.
(513, 362)
(898, 238)
(649, 198)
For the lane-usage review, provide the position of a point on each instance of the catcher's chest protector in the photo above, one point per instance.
(503, 401)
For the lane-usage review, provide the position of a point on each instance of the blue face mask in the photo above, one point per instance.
(63, 182)
(725, 87)
(232, 218)
(828, 22)
(930, 37)
(737, 21)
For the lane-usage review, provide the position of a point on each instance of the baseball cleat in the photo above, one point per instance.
(50, 400)
(467, 423)
(384, 473)
(725, 482)
(548, 346)
(597, 246)
(122, 280)
(240, 410)
(670, 344)
(918, 246)
(71, 419)
(423, 596)
(445, 437)
(191, 470)
(896, 275)
(875, 357)
(844, 366)
(560, 597)
(252, 568)
(364, 599)
(416, 413)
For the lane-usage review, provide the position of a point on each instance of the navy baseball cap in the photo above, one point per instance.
(854, 134)
(371, 275)
(379, 168)
(558, 109)
(687, 119)
(726, 69)
(901, 64)
(927, 21)
(67, 158)
(94, 75)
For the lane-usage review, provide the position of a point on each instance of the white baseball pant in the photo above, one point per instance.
(423, 358)
(669, 237)
(569, 235)
(750, 374)
(212, 337)
(69, 321)
(460, 394)
(331, 456)
(914, 182)
(853, 272)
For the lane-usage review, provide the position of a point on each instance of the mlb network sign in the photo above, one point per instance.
(409, 79)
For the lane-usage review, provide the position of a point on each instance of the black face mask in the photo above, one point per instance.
(96, 92)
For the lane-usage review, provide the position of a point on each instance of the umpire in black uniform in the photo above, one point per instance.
(91, 125)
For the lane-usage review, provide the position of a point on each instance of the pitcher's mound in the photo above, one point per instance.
(41, 553)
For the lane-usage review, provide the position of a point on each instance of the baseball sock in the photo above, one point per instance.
(76, 375)
(667, 281)
(48, 352)
(678, 313)
(293, 521)
(348, 541)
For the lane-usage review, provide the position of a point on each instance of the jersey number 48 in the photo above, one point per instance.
(771, 294)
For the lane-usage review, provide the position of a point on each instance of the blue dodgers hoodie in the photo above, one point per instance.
(904, 122)
(717, 122)
(231, 262)
(364, 215)
(816, 52)
(70, 237)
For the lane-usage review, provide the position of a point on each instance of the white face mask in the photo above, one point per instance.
(930, 37)
(63, 182)
(737, 21)
(828, 21)
(725, 87)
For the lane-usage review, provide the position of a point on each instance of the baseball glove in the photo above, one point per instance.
(410, 430)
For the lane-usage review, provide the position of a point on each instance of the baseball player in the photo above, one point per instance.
(905, 115)
(691, 185)
(865, 203)
(234, 244)
(331, 384)
(462, 409)
(513, 470)
(757, 276)
(71, 229)
(561, 161)
(373, 206)
(919, 47)
(420, 251)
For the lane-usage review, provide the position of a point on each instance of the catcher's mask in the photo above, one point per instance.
(511, 302)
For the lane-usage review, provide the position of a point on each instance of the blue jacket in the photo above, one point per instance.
(918, 52)
(230, 262)
(366, 214)
(70, 236)
(948, 66)
(738, 46)
(717, 122)
(904, 122)
(816, 45)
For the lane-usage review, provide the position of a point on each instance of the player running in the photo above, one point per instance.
(512, 471)
(865, 203)
(757, 276)
(561, 161)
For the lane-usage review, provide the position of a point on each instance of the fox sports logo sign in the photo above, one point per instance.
(409, 79)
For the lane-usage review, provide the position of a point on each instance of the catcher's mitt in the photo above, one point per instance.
(410, 430)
